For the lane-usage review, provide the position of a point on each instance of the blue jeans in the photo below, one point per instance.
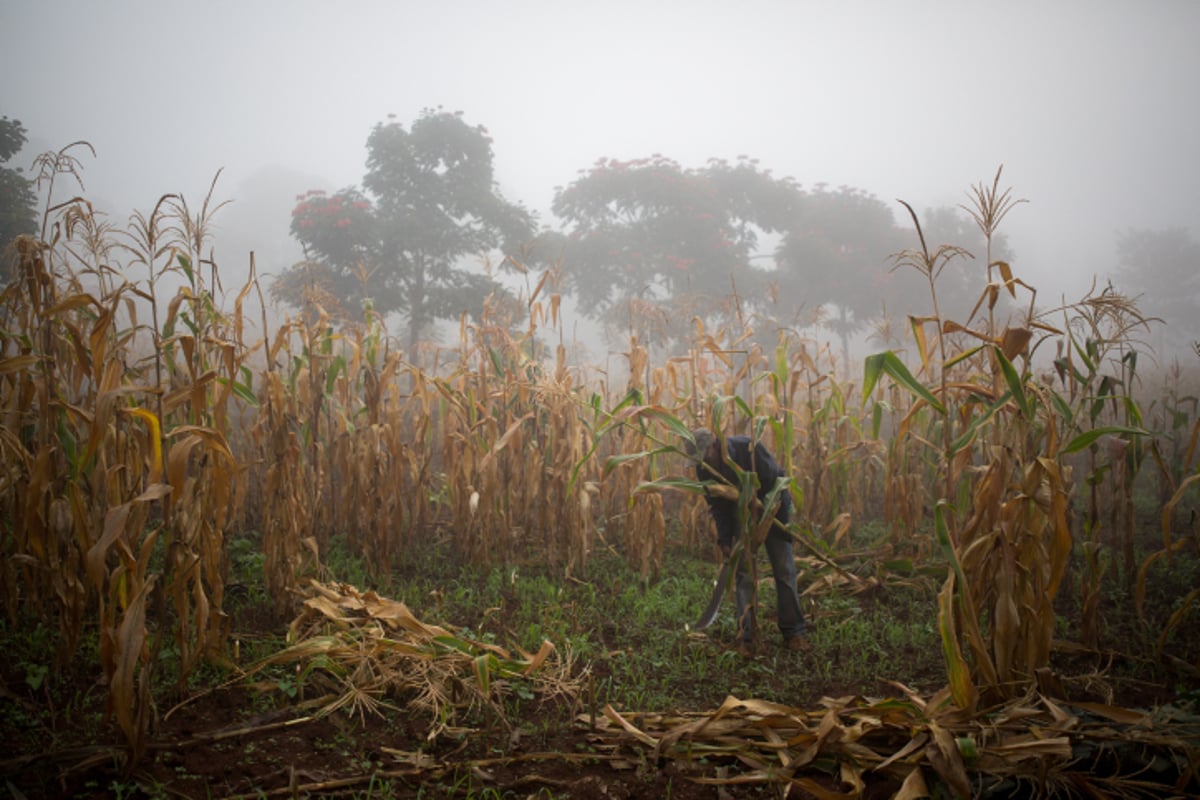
(787, 598)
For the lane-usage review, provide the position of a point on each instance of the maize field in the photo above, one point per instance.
(1025, 473)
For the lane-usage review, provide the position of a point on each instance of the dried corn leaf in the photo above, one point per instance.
(365, 648)
(909, 740)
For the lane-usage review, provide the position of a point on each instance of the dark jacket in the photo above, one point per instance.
(760, 460)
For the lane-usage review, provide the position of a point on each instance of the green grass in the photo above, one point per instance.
(635, 636)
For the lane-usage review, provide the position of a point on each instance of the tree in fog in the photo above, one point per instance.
(837, 253)
(429, 200)
(1163, 267)
(649, 245)
(18, 202)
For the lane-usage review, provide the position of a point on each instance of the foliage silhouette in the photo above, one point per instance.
(430, 201)
(18, 203)
(650, 244)
(1162, 265)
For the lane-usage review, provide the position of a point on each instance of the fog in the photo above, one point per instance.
(1091, 107)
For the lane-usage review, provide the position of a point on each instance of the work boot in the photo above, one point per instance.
(798, 644)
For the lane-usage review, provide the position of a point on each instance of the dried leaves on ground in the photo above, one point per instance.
(1034, 743)
(368, 651)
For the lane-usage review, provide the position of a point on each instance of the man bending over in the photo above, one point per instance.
(711, 466)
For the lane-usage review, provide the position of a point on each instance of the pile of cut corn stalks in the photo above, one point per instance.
(1034, 745)
(368, 652)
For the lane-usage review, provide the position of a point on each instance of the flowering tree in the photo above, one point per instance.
(429, 201)
(650, 244)
(336, 232)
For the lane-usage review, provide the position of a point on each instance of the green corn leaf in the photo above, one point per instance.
(889, 363)
(483, 668)
(338, 366)
(1064, 365)
(963, 356)
(1016, 386)
(741, 405)
(968, 435)
(1060, 405)
(942, 530)
(681, 484)
(1131, 358)
(872, 369)
(675, 426)
(718, 412)
(1083, 353)
(453, 643)
(958, 672)
(624, 458)
(185, 264)
(1133, 412)
(243, 391)
(1086, 438)
(497, 360)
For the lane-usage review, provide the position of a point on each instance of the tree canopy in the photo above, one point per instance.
(841, 253)
(645, 245)
(429, 200)
(837, 251)
(642, 232)
(1164, 267)
(18, 202)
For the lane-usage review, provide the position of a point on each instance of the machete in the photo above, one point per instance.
(714, 605)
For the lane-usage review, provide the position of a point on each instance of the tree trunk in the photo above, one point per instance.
(416, 307)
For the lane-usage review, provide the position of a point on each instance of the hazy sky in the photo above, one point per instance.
(1092, 107)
